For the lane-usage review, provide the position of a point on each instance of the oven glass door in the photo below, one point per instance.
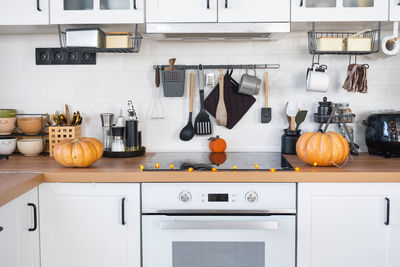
(218, 241)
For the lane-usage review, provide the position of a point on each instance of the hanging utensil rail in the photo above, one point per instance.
(213, 67)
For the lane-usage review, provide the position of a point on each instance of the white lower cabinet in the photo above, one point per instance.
(19, 232)
(90, 225)
(348, 225)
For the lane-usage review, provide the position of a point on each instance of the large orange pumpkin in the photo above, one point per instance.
(80, 152)
(318, 149)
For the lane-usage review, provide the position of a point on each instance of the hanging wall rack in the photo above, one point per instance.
(215, 67)
(136, 43)
(374, 35)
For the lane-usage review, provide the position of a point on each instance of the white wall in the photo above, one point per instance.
(107, 86)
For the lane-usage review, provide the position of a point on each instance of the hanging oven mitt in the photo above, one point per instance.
(237, 104)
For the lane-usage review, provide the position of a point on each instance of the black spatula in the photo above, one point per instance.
(202, 124)
(266, 112)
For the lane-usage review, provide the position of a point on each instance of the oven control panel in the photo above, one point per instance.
(250, 197)
(217, 196)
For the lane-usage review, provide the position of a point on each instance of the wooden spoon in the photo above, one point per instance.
(221, 114)
(67, 115)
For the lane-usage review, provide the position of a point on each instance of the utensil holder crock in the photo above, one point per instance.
(288, 141)
(59, 133)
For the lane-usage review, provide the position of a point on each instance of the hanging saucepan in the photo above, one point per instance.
(250, 84)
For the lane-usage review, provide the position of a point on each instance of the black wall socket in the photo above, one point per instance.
(63, 56)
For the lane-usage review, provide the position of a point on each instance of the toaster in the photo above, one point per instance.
(383, 133)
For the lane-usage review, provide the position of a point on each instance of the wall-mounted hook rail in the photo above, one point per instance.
(214, 67)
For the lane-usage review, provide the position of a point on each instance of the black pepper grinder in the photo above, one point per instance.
(131, 129)
(324, 110)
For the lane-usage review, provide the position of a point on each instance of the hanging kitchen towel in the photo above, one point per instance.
(356, 80)
(362, 80)
(351, 83)
(236, 104)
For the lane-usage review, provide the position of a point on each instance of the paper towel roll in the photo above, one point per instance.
(391, 44)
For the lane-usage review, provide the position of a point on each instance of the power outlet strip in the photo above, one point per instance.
(63, 56)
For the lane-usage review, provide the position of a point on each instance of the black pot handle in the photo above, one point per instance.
(365, 123)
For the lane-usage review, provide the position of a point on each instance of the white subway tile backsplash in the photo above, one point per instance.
(107, 86)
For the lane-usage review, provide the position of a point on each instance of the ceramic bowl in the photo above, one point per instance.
(30, 147)
(8, 113)
(30, 125)
(7, 145)
(7, 125)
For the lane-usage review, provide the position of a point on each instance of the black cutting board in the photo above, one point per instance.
(236, 104)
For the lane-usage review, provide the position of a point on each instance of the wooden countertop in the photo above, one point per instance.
(20, 174)
(14, 185)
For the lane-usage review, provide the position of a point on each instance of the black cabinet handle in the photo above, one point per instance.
(34, 217)
(301, 3)
(226, 3)
(38, 5)
(123, 211)
(387, 219)
(1, 228)
(134, 5)
(208, 4)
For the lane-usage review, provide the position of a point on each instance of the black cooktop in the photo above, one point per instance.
(220, 161)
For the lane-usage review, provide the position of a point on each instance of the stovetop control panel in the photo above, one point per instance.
(218, 196)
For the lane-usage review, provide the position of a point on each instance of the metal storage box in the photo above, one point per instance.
(93, 37)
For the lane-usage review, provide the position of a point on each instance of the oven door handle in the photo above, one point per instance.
(218, 225)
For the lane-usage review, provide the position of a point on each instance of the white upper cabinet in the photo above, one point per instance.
(24, 12)
(254, 11)
(394, 10)
(161, 11)
(348, 225)
(19, 232)
(90, 225)
(339, 10)
(96, 11)
(198, 11)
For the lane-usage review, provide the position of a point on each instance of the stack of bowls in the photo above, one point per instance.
(30, 126)
(8, 117)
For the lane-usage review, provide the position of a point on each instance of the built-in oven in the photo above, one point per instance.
(219, 225)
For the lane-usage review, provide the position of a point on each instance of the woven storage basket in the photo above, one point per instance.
(58, 133)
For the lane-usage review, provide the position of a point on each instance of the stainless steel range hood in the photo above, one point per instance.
(215, 31)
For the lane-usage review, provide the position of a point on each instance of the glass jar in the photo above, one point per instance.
(346, 112)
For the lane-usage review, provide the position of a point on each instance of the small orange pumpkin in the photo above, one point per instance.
(322, 149)
(217, 144)
(80, 152)
(217, 158)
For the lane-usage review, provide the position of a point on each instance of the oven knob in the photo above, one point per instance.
(185, 196)
(251, 197)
